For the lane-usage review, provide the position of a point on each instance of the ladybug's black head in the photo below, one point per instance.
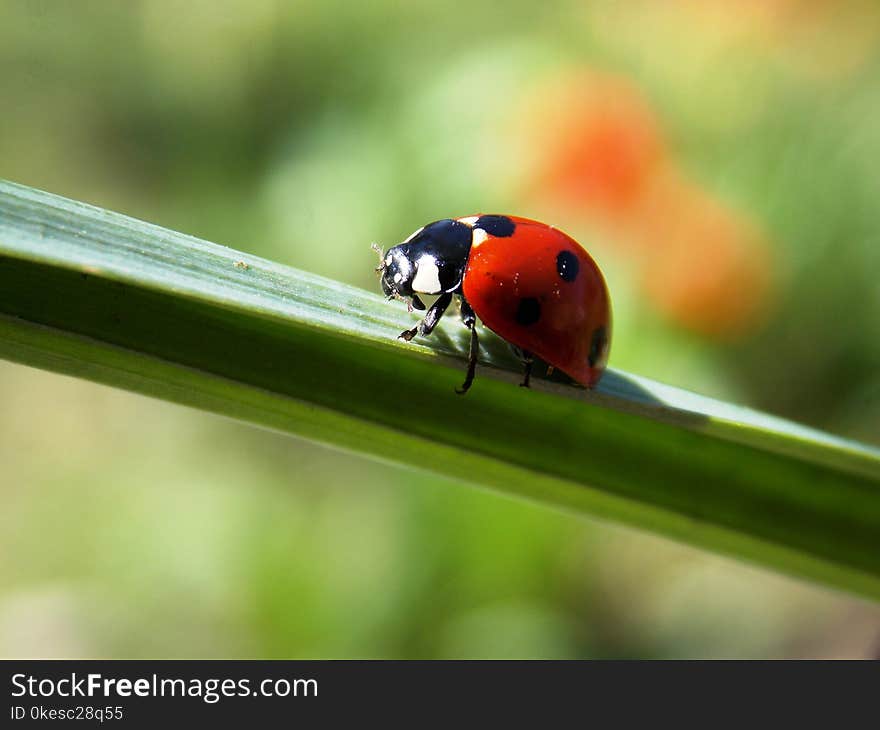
(431, 261)
(397, 271)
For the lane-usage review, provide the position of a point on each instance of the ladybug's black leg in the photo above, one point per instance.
(432, 316)
(525, 358)
(416, 303)
(527, 370)
(470, 321)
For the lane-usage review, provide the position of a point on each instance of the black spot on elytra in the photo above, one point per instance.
(597, 344)
(528, 312)
(496, 225)
(567, 266)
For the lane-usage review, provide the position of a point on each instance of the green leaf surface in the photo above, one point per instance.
(91, 293)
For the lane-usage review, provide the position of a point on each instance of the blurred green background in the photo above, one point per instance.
(720, 161)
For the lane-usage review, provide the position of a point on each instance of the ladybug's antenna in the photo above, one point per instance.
(378, 249)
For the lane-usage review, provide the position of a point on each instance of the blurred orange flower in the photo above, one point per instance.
(598, 155)
(598, 141)
(701, 264)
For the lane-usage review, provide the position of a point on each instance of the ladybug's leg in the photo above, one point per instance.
(525, 358)
(527, 369)
(432, 316)
(470, 321)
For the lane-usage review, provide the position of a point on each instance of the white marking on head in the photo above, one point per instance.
(479, 236)
(388, 260)
(398, 277)
(414, 234)
(469, 221)
(427, 278)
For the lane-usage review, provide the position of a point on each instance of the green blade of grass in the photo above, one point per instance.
(95, 294)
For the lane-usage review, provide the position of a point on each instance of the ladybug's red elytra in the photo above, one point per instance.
(528, 282)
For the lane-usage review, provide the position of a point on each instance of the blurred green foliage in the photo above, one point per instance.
(304, 131)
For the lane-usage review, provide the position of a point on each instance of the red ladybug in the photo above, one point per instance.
(528, 282)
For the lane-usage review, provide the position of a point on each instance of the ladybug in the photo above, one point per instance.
(528, 282)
